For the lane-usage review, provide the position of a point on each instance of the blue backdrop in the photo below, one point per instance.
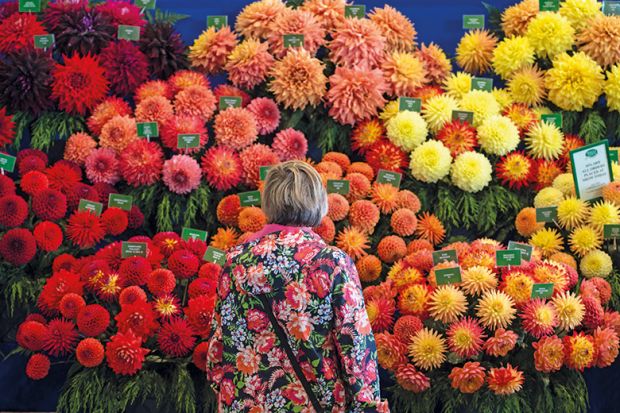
(439, 21)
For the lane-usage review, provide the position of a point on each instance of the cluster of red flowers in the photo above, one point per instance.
(168, 295)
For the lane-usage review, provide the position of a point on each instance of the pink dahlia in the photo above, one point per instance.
(183, 125)
(126, 67)
(355, 94)
(252, 158)
(102, 166)
(357, 43)
(222, 168)
(249, 63)
(266, 114)
(181, 174)
(235, 128)
(197, 101)
(296, 21)
(122, 12)
(141, 163)
(290, 144)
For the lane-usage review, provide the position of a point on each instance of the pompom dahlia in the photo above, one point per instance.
(427, 349)
(199, 313)
(437, 64)
(601, 40)
(469, 378)
(407, 130)
(505, 380)
(70, 305)
(475, 51)
(89, 352)
(48, 236)
(164, 49)
(289, 144)
(249, 63)
(181, 174)
(182, 124)
(404, 222)
(115, 221)
(257, 19)
(31, 335)
(183, 263)
(358, 42)
(124, 353)
(141, 163)
(222, 168)
(338, 207)
(430, 161)
(574, 82)
(295, 21)
(93, 320)
(126, 67)
(252, 219)
(397, 29)
(13, 211)
(79, 84)
(355, 94)
(471, 171)
(18, 246)
(228, 210)
(235, 128)
(17, 32)
(364, 215)
(38, 365)
(498, 135)
(26, 70)
(102, 166)
(211, 49)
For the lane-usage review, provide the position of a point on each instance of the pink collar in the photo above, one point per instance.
(271, 228)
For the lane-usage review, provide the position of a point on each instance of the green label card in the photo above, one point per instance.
(44, 41)
(526, 249)
(549, 5)
(389, 177)
(145, 4)
(338, 186)
(507, 258)
(148, 129)
(548, 214)
(482, 83)
(444, 256)
(262, 172)
(463, 116)
(191, 233)
(123, 202)
(250, 198)
(591, 169)
(215, 255)
(90, 206)
(473, 21)
(358, 11)
(611, 231)
(611, 8)
(7, 162)
(411, 104)
(448, 275)
(217, 22)
(613, 154)
(293, 40)
(188, 140)
(30, 6)
(553, 118)
(129, 32)
(542, 290)
(133, 249)
(230, 102)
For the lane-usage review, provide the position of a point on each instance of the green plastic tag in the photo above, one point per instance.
(147, 129)
(445, 276)
(526, 249)
(357, 11)
(507, 258)
(553, 118)
(188, 140)
(549, 5)
(542, 290)
(30, 6)
(463, 116)
(548, 214)
(217, 22)
(482, 83)
(90, 206)
(611, 231)
(145, 4)
(411, 104)
(191, 233)
(7, 162)
(611, 8)
(473, 21)
(262, 172)
(444, 256)
(44, 41)
(293, 40)
(250, 198)
(230, 102)
(338, 186)
(613, 154)
(123, 202)
(389, 177)
(129, 32)
(133, 249)
(215, 255)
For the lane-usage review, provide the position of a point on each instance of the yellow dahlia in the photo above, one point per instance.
(430, 161)
(413, 300)
(211, 49)
(447, 303)
(565, 183)
(602, 213)
(353, 241)
(329, 12)
(600, 40)
(544, 140)
(518, 286)
(437, 64)
(495, 309)
(579, 351)
(389, 111)
(477, 280)
(584, 239)
(437, 111)
(498, 135)
(458, 84)
(570, 310)
(612, 89)
(397, 29)
(572, 212)
(515, 19)
(579, 12)
(471, 172)
(257, 18)
(427, 349)
(596, 264)
(574, 82)
(548, 197)
(549, 240)
(512, 54)
(407, 130)
(527, 86)
(503, 97)
(550, 34)
(475, 51)
(404, 73)
(298, 80)
(482, 104)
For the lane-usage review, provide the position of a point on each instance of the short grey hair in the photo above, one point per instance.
(294, 195)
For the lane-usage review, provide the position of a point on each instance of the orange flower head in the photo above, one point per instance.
(353, 241)
(397, 29)
(539, 318)
(564, 258)
(501, 343)
(505, 380)
(606, 345)
(404, 222)
(391, 249)
(430, 228)
(411, 379)
(154, 109)
(406, 328)
(326, 229)
(515, 19)
(385, 155)
(197, 101)
(338, 157)
(391, 353)
(368, 268)
(437, 64)
(404, 277)
(579, 351)
(515, 170)
(257, 18)
(600, 39)
(224, 238)
(419, 245)
(330, 169)
(550, 272)
(228, 210)
(153, 88)
(521, 115)
(249, 63)
(357, 42)
(414, 300)
(465, 337)
(183, 79)
(611, 193)
(78, 147)
(329, 12)
(458, 136)
(364, 215)
(210, 50)
(381, 314)
(295, 21)
(361, 168)
(359, 186)
(548, 354)
(409, 200)
(338, 207)
(106, 110)
(518, 285)
(252, 219)
(545, 172)
(469, 378)
(526, 223)
(385, 196)
(366, 134)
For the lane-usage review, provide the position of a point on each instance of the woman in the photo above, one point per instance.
(290, 331)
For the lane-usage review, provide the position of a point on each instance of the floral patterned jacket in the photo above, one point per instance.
(316, 299)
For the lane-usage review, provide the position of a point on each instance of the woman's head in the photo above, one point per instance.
(294, 195)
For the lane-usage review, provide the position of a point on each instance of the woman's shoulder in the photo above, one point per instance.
(334, 253)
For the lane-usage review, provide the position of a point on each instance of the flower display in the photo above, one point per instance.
(79, 84)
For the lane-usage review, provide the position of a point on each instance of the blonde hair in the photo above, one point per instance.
(294, 195)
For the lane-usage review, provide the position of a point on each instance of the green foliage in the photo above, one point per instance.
(164, 16)
(22, 120)
(570, 121)
(494, 20)
(614, 281)
(593, 127)
(52, 126)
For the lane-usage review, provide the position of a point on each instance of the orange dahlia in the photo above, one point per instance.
(414, 300)
(210, 50)
(404, 222)
(252, 219)
(395, 27)
(365, 134)
(296, 21)
(600, 39)
(357, 42)
(518, 285)
(385, 155)
(430, 228)
(364, 215)
(359, 186)
(548, 354)
(505, 380)
(458, 136)
(361, 168)
(228, 210)
(579, 351)
(326, 229)
(181, 124)
(521, 115)
(249, 63)
(368, 268)
(469, 378)
(526, 223)
(154, 109)
(118, 132)
(78, 147)
(224, 238)
(606, 344)
(411, 379)
(183, 79)
(419, 245)
(257, 18)
(353, 241)
(153, 88)
(611, 192)
(235, 128)
(391, 353)
(338, 207)
(406, 328)
(404, 73)
(545, 172)
(106, 110)
(515, 170)
(474, 52)
(329, 12)
(515, 19)
(437, 64)
(391, 249)
(197, 101)
(221, 167)
(465, 337)
(385, 196)
(252, 158)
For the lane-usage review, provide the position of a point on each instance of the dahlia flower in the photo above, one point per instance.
(196, 101)
(437, 64)
(549, 240)
(256, 19)
(458, 84)
(124, 353)
(85, 229)
(89, 352)
(512, 54)
(469, 378)
(141, 163)
(380, 314)
(79, 84)
(430, 228)
(471, 171)
(569, 309)
(498, 135)
(38, 365)
(329, 12)
(579, 351)
(17, 32)
(407, 130)
(437, 111)
(180, 124)
(118, 133)
(612, 88)
(574, 82)
(477, 280)
(33, 182)
(359, 43)
(386, 155)
(61, 337)
(548, 354)
(154, 109)
(427, 349)
(181, 174)
(548, 25)
(495, 309)
(211, 49)
(295, 21)
(600, 40)
(352, 241)
(505, 380)
(447, 303)
(18, 246)
(395, 27)
(122, 12)
(580, 12)
(539, 318)
(603, 213)
(266, 114)
(221, 167)
(153, 88)
(596, 263)
(252, 158)
(515, 170)
(102, 166)
(404, 73)
(355, 94)
(482, 104)
(176, 338)
(248, 64)
(475, 51)
(164, 48)
(430, 161)
(27, 70)
(606, 344)
(125, 67)
(527, 86)
(584, 239)
(544, 140)
(516, 18)
(235, 128)
(290, 144)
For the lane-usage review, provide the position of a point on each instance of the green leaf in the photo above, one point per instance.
(494, 20)
(165, 17)
(593, 127)
(293, 119)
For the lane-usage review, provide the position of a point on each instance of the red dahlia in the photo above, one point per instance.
(167, 242)
(122, 12)
(126, 67)
(33, 182)
(136, 217)
(65, 262)
(84, 229)
(7, 186)
(7, 128)
(196, 246)
(80, 191)
(201, 286)
(93, 320)
(161, 282)
(176, 338)
(60, 283)
(36, 317)
(61, 337)
(199, 358)
(79, 84)
(221, 167)
(115, 221)
(125, 354)
(48, 236)
(49, 204)
(38, 367)
(70, 305)
(63, 176)
(18, 246)
(199, 313)
(183, 264)
(141, 163)
(229, 90)
(104, 190)
(131, 295)
(13, 211)
(17, 32)
(385, 155)
(134, 271)
(210, 270)
(89, 352)
(31, 335)
(30, 163)
(138, 317)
